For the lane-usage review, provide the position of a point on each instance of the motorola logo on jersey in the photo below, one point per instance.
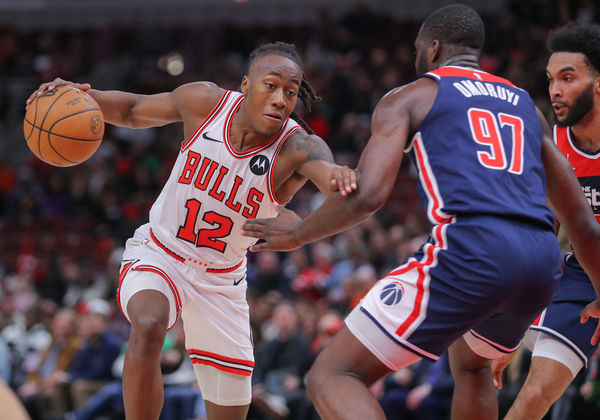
(392, 294)
(259, 165)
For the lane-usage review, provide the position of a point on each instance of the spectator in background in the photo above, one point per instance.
(281, 362)
(360, 283)
(4, 361)
(266, 274)
(182, 397)
(420, 392)
(45, 391)
(311, 282)
(91, 368)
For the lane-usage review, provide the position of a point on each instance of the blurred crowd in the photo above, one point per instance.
(62, 230)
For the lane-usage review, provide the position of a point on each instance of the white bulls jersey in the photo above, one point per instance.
(213, 189)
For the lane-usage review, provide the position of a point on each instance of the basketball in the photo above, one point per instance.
(64, 126)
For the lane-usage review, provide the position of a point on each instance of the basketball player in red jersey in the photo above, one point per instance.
(243, 156)
(486, 163)
(562, 345)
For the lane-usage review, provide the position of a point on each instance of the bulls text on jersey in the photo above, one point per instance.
(206, 174)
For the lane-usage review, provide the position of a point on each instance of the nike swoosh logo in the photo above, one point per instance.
(235, 283)
(205, 137)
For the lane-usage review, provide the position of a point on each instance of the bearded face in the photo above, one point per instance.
(580, 107)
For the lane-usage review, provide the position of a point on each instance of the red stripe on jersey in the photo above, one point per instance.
(428, 179)
(254, 150)
(224, 270)
(220, 367)
(473, 74)
(164, 248)
(209, 119)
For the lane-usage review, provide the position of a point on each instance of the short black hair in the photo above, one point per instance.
(306, 92)
(577, 37)
(455, 24)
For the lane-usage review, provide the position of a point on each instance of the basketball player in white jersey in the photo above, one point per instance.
(243, 156)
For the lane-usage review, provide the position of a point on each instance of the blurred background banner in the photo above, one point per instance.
(72, 14)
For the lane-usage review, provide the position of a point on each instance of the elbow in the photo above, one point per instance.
(368, 203)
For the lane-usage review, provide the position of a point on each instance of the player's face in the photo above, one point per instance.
(571, 87)
(271, 87)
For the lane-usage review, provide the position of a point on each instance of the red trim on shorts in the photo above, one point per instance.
(451, 71)
(164, 248)
(224, 270)
(220, 367)
(209, 119)
(431, 257)
(122, 274)
(537, 320)
(172, 286)
(160, 272)
(221, 362)
(420, 292)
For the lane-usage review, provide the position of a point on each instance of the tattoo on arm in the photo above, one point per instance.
(314, 147)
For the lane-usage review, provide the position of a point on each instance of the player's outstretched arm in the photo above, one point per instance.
(314, 161)
(378, 168)
(141, 111)
(571, 208)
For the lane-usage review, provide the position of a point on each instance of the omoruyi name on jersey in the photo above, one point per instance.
(469, 89)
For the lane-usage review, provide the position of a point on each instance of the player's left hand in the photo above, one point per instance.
(498, 366)
(278, 233)
(592, 309)
(344, 179)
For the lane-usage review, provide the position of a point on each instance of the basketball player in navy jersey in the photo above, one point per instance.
(483, 153)
(243, 156)
(562, 344)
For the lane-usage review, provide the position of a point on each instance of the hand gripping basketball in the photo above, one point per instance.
(63, 125)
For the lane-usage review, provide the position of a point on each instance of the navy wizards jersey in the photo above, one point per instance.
(478, 151)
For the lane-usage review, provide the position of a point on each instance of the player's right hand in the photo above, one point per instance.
(498, 366)
(592, 309)
(52, 85)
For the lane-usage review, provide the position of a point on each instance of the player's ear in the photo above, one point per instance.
(245, 83)
(434, 50)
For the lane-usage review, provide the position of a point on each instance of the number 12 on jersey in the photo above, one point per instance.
(485, 128)
(205, 237)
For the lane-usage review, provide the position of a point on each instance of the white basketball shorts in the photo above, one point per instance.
(212, 306)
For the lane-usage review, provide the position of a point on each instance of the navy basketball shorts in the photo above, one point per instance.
(481, 277)
(561, 319)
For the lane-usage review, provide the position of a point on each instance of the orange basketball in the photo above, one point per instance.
(64, 126)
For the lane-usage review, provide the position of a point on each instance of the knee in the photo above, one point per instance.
(534, 398)
(148, 331)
